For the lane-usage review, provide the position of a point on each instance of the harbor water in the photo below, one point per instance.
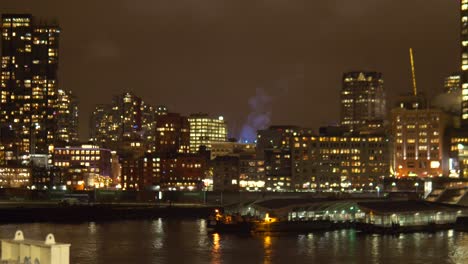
(189, 241)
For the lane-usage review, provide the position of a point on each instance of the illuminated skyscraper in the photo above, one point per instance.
(28, 92)
(204, 130)
(464, 61)
(452, 83)
(67, 117)
(127, 117)
(362, 100)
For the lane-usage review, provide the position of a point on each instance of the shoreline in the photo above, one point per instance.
(100, 212)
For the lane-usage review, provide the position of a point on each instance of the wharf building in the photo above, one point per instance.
(334, 161)
(238, 172)
(205, 130)
(28, 85)
(363, 101)
(164, 172)
(86, 166)
(418, 139)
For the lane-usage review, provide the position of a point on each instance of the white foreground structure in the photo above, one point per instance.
(25, 251)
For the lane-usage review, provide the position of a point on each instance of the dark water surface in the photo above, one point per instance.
(188, 241)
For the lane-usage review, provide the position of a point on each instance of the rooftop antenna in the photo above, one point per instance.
(415, 90)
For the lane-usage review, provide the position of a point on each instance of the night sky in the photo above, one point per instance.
(214, 56)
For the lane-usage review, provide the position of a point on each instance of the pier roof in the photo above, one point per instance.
(406, 206)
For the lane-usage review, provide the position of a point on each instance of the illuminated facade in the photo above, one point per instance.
(127, 117)
(274, 147)
(251, 173)
(11, 177)
(205, 130)
(464, 60)
(238, 172)
(458, 153)
(362, 100)
(418, 135)
(339, 162)
(66, 118)
(87, 160)
(452, 83)
(140, 172)
(182, 172)
(28, 91)
(189, 173)
(172, 133)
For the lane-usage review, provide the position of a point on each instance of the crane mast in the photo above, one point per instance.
(415, 90)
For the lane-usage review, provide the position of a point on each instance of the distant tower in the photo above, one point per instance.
(204, 130)
(127, 117)
(28, 89)
(66, 117)
(452, 83)
(362, 99)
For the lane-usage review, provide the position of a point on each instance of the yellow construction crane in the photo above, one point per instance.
(415, 90)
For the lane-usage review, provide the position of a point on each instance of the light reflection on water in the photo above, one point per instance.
(267, 249)
(215, 251)
(189, 241)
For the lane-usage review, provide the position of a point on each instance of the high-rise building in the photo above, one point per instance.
(127, 117)
(66, 118)
(418, 135)
(100, 126)
(362, 100)
(172, 133)
(452, 83)
(464, 60)
(204, 130)
(28, 92)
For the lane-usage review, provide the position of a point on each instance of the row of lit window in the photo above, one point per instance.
(77, 152)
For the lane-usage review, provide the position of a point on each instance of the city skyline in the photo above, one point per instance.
(228, 53)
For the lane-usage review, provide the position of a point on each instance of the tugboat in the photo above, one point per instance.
(229, 223)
